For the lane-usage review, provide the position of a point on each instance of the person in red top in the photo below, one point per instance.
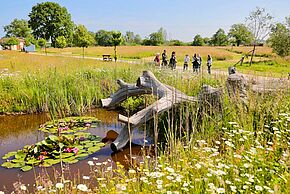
(157, 59)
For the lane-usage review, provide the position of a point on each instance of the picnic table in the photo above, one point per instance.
(107, 58)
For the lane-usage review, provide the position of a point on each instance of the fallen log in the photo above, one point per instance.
(146, 84)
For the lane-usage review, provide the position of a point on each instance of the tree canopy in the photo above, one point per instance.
(17, 28)
(60, 42)
(104, 38)
(197, 40)
(49, 20)
(280, 39)
(12, 41)
(82, 37)
(219, 38)
(240, 34)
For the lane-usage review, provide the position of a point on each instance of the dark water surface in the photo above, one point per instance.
(18, 131)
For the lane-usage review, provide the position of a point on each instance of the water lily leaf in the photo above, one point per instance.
(67, 155)
(93, 149)
(8, 155)
(26, 168)
(70, 160)
(7, 165)
(82, 156)
(20, 154)
(52, 161)
(53, 138)
(33, 161)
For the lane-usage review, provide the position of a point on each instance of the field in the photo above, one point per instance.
(244, 150)
(265, 62)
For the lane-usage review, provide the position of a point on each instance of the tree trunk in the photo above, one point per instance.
(115, 49)
(253, 53)
(83, 52)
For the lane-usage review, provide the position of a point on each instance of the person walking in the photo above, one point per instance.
(199, 63)
(194, 64)
(164, 59)
(157, 59)
(209, 62)
(173, 60)
(186, 62)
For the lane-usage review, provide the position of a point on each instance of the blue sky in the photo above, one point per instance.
(182, 19)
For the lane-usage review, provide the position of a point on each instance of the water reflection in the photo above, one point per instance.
(20, 130)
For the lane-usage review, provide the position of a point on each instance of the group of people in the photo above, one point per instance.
(196, 61)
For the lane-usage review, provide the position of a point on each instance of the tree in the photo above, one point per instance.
(82, 37)
(260, 24)
(240, 34)
(206, 40)
(30, 40)
(219, 38)
(60, 42)
(163, 33)
(280, 39)
(49, 20)
(12, 41)
(104, 38)
(117, 39)
(17, 28)
(129, 37)
(137, 39)
(197, 40)
(42, 43)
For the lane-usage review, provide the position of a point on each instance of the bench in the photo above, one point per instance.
(107, 58)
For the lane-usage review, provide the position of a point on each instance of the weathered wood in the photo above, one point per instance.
(146, 84)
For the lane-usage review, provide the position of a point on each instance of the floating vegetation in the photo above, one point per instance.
(69, 148)
(69, 125)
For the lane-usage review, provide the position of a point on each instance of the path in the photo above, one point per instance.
(258, 82)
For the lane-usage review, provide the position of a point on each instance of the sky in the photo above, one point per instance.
(182, 19)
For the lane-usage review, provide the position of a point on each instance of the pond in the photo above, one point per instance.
(20, 130)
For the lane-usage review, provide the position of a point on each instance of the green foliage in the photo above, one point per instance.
(104, 38)
(68, 125)
(116, 38)
(175, 43)
(69, 148)
(197, 40)
(280, 40)
(219, 38)
(241, 34)
(49, 20)
(131, 39)
(155, 38)
(12, 41)
(17, 28)
(41, 42)
(30, 40)
(82, 38)
(60, 42)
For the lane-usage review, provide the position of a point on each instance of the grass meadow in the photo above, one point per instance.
(244, 150)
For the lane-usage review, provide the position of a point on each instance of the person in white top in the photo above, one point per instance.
(186, 62)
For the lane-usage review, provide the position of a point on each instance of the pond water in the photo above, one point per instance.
(20, 130)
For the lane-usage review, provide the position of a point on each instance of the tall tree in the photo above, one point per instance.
(116, 40)
(82, 37)
(163, 33)
(280, 39)
(49, 20)
(137, 39)
(129, 37)
(197, 40)
(219, 38)
(241, 34)
(104, 38)
(260, 23)
(17, 28)
(42, 43)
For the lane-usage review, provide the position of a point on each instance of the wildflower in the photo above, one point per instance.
(87, 125)
(247, 165)
(258, 188)
(171, 170)
(233, 188)
(99, 164)
(59, 185)
(75, 150)
(23, 187)
(91, 163)
(245, 187)
(220, 190)
(198, 166)
(159, 186)
(178, 178)
(131, 171)
(67, 150)
(159, 182)
(228, 182)
(230, 144)
(86, 177)
(38, 188)
(41, 157)
(144, 179)
(170, 177)
(2, 192)
(82, 187)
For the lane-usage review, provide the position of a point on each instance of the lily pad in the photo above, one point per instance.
(9, 155)
(26, 168)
